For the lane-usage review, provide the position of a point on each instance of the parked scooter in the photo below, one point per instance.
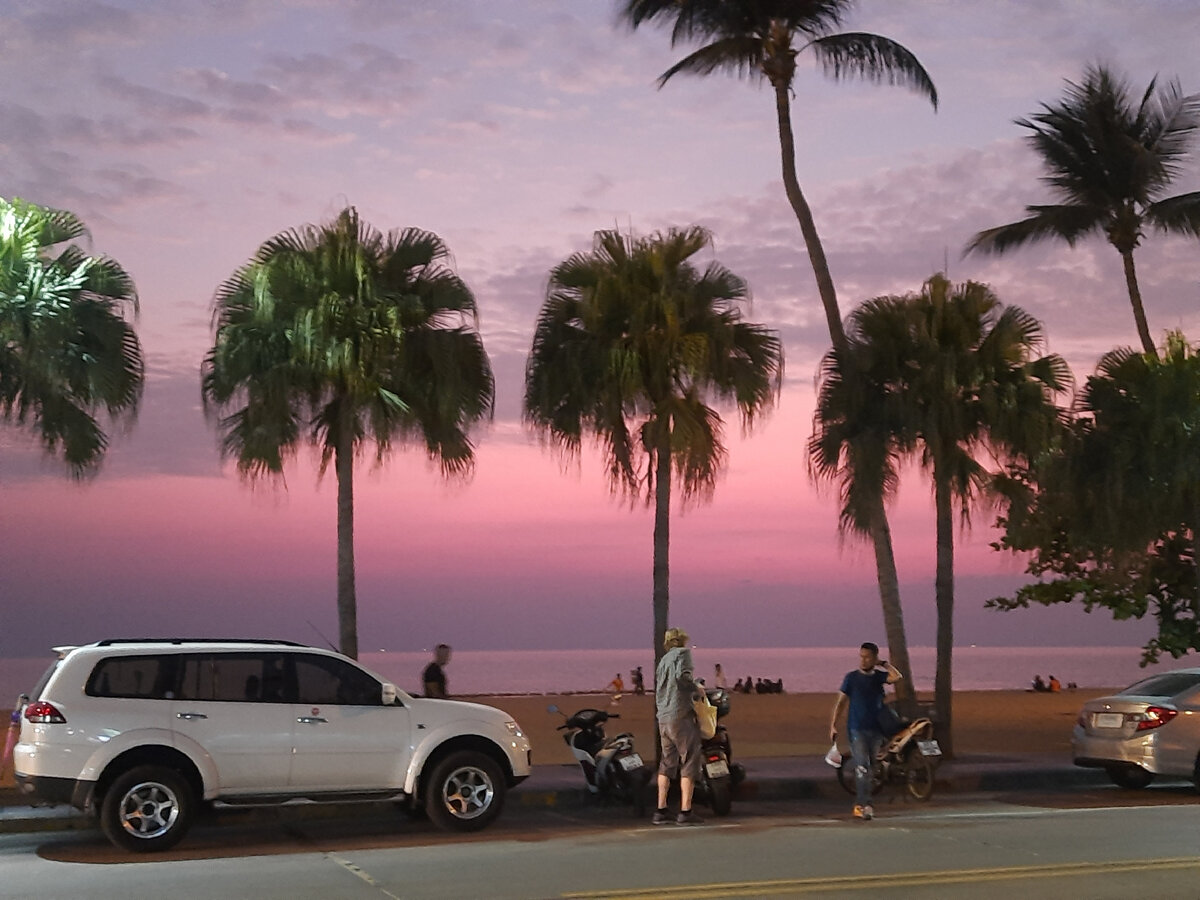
(909, 757)
(720, 773)
(611, 766)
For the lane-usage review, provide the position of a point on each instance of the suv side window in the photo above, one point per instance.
(132, 677)
(326, 681)
(235, 678)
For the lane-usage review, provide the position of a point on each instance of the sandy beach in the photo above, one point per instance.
(995, 722)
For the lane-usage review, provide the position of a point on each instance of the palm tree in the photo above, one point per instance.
(337, 336)
(761, 39)
(66, 349)
(631, 344)
(948, 372)
(1108, 162)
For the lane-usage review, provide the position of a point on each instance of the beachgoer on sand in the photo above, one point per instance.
(719, 677)
(434, 677)
(1055, 685)
(639, 681)
(862, 690)
(674, 689)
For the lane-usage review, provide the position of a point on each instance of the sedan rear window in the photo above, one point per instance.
(1166, 684)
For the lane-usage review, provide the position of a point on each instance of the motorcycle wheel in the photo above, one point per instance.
(720, 795)
(847, 778)
(920, 777)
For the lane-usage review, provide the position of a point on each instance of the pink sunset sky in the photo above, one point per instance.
(187, 133)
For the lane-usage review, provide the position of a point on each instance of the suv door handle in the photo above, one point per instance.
(190, 715)
(312, 720)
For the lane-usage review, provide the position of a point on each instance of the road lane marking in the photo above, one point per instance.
(360, 873)
(891, 880)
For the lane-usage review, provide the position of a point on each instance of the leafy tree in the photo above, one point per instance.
(66, 350)
(1108, 162)
(631, 345)
(1111, 516)
(761, 39)
(337, 336)
(945, 374)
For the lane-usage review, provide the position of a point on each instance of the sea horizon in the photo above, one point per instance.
(802, 669)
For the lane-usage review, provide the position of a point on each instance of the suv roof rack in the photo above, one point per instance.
(111, 641)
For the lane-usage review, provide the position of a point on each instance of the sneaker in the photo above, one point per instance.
(688, 818)
(858, 812)
(661, 817)
(868, 813)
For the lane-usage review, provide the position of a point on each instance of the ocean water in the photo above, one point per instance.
(803, 669)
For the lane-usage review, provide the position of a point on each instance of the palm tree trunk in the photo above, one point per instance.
(812, 241)
(1135, 298)
(881, 534)
(893, 615)
(662, 543)
(347, 604)
(943, 695)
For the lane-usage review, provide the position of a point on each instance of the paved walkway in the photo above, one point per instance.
(776, 778)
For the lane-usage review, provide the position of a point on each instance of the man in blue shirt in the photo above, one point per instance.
(862, 689)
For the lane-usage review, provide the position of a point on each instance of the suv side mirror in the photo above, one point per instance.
(389, 694)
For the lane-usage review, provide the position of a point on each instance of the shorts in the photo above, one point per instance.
(680, 748)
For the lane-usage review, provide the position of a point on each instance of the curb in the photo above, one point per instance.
(561, 787)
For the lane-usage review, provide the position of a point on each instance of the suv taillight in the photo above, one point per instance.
(1155, 716)
(44, 713)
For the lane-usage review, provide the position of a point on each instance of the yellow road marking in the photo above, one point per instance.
(893, 880)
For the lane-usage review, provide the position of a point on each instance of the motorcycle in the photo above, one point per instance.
(908, 757)
(719, 773)
(611, 766)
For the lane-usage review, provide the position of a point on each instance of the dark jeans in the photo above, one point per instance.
(864, 745)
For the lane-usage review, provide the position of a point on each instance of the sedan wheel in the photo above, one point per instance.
(1132, 777)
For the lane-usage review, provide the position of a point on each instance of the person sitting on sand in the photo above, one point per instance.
(1038, 684)
(1055, 685)
(737, 686)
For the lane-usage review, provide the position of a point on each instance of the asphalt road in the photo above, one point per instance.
(1102, 842)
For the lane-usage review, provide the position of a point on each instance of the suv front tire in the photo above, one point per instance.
(466, 791)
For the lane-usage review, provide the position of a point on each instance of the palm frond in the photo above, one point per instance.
(874, 58)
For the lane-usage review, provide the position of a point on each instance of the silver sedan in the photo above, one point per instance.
(1150, 728)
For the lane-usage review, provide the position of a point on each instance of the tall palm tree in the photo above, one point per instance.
(947, 373)
(1108, 162)
(631, 345)
(67, 351)
(337, 336)
(761, 39)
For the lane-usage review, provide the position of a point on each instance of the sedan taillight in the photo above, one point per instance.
(44, 713)
(1155, 717)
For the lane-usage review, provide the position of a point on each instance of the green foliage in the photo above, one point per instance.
(631, 344)
(340, 331)
(1109, 516)
(1108, 162)
(66, 350)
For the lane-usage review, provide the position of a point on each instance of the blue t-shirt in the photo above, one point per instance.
(865, 690)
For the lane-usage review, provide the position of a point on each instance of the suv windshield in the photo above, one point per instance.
(1167, 684)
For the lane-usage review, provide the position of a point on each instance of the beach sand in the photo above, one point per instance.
(994, 722)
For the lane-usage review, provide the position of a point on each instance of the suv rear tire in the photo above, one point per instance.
(147, 809)
(465, 791)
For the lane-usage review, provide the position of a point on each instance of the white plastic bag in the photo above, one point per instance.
(834, 756)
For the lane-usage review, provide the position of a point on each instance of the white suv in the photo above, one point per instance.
(144, 731)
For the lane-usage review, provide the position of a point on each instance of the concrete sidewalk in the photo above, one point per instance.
(772, 778)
